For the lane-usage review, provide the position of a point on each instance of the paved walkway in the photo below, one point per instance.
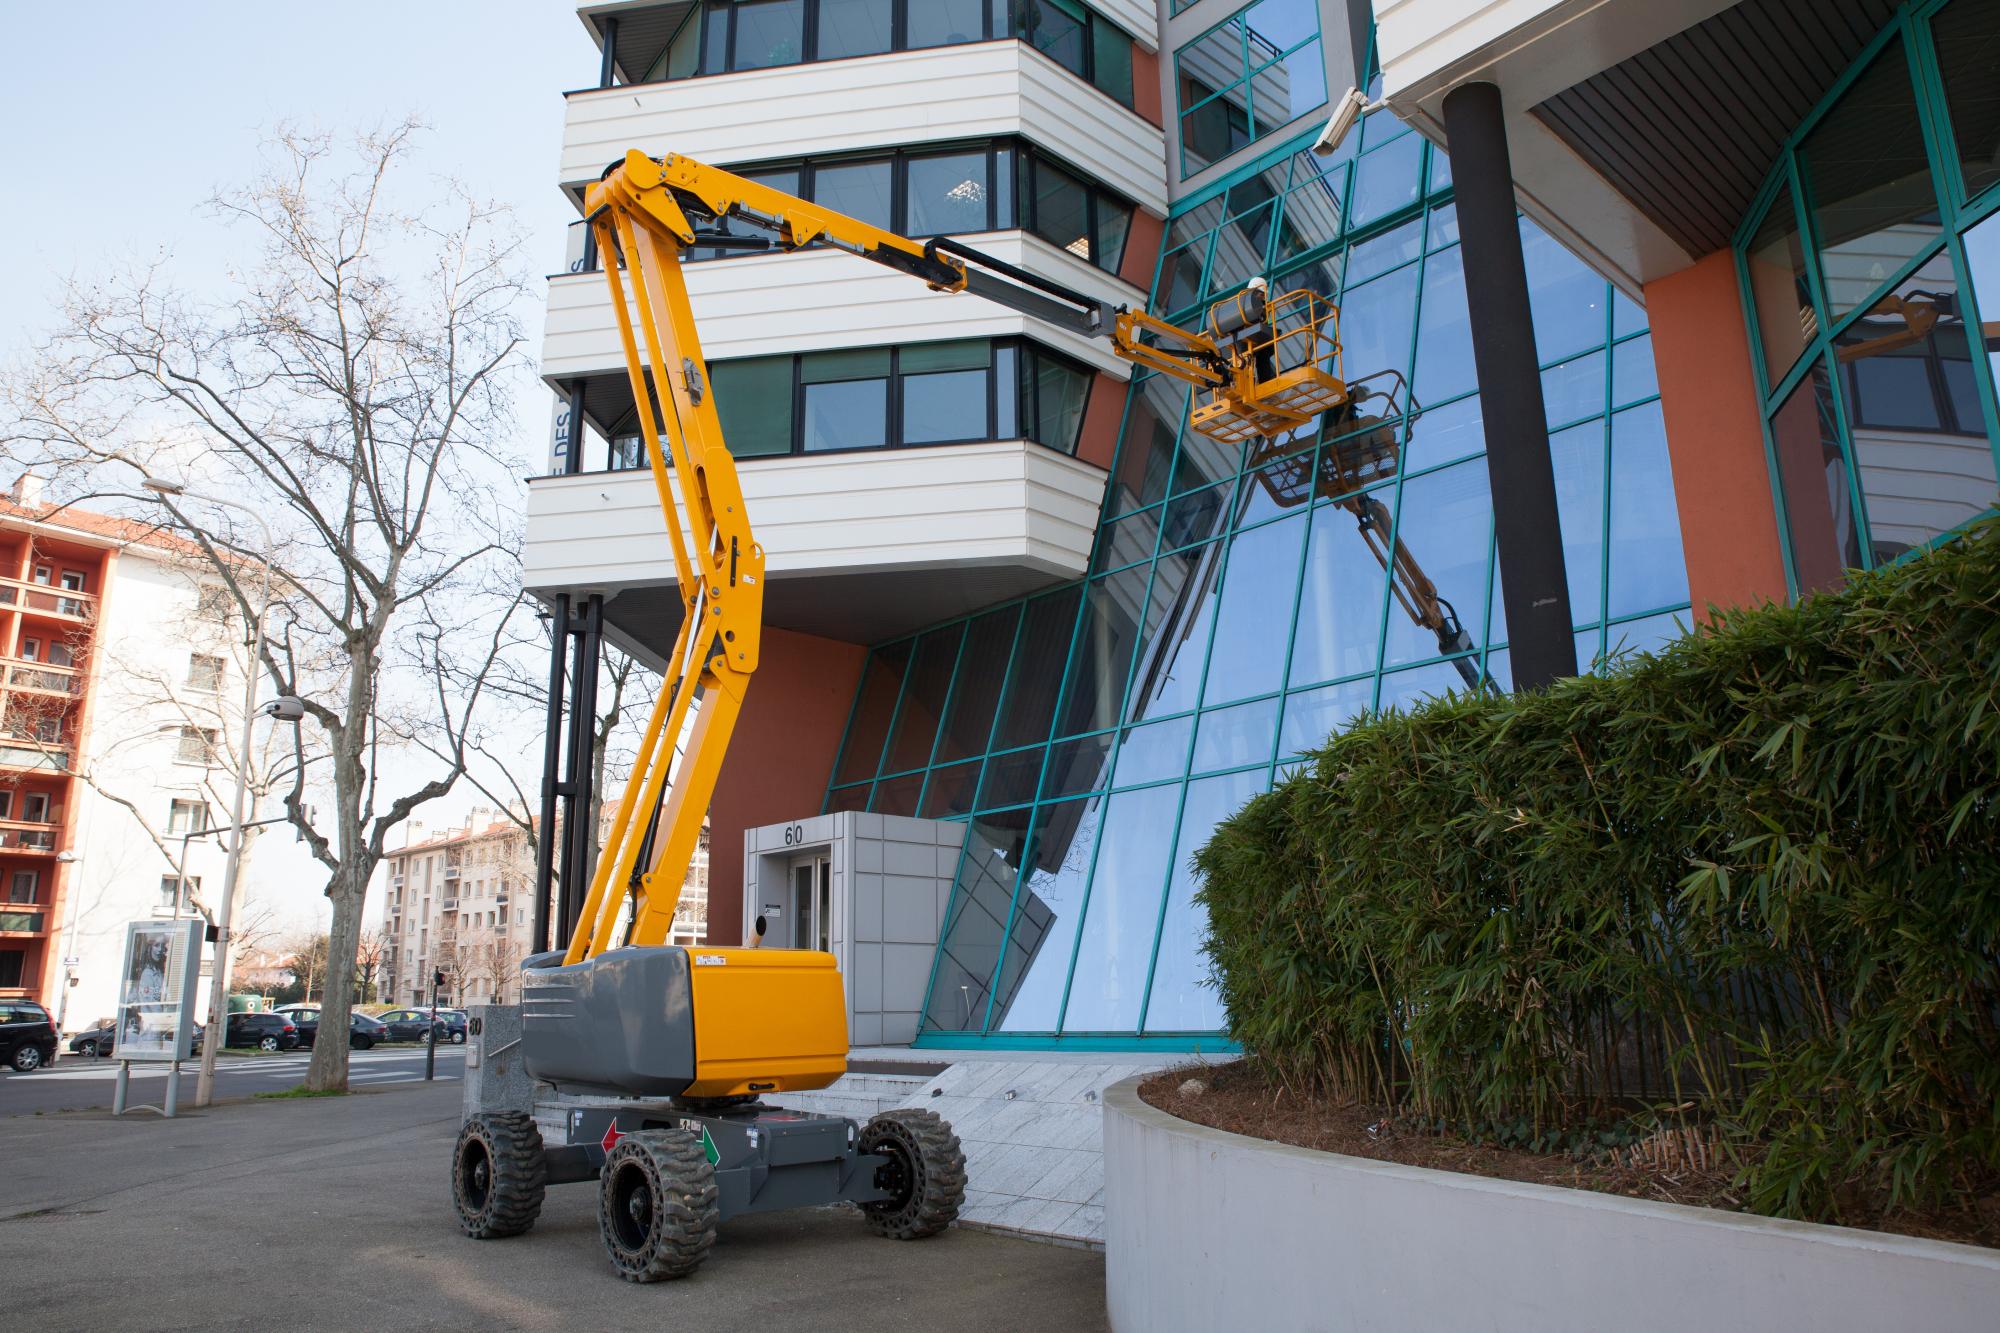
(78, 1082)
(334, 1213)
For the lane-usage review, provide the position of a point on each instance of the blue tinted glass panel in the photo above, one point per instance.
(1405, 690)
(1235, 737)
(1248, 655)
(1392, 249)
(1035, 677)
(1103, 654)
(1574, 388)
(1311, 716)
(1646, 635)
(923, 699)
(1565, 298)
(1047, 906)
(1446, 524)
(1011, 778)
(1632, 376)
(1386, 180)
(1180, 614)
(1376, 321)
(1444, 435)
(1648, 567)
(1444, 335)
(1154, 752)
(1578, 456)
(1182, 1001)
(1339, 626)
(1078, 766)
(1116, 947)
(969, 715)
(950, 791)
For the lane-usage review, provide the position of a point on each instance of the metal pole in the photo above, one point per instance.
(545, 844)
(173, 1089)
(431, 1037)
(583, 720)
(1535, 586)
(119, 1088)
(607, 71)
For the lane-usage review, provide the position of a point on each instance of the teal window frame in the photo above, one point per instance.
(1249, 70)
(1623, 327)
(1957, 212)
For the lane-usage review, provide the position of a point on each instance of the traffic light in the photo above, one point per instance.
(437, 983)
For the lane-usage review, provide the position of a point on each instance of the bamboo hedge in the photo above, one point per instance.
(1751, 881)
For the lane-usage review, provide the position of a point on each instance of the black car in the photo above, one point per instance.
(27, 1035)
(268, 1032)
(362, 1031)
(415, 1025)
(96, 1040)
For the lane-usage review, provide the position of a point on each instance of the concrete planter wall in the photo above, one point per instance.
(1208, 1230)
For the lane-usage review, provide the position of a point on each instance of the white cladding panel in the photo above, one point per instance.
(812, 300)
(1009, 502)
(1139, 18)
(1418, 39)
(910, 97)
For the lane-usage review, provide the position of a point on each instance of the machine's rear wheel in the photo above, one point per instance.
(925, 1174)
(498, 1175)
(657, 1205)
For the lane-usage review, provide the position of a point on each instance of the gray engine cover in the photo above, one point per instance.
(620, 1023)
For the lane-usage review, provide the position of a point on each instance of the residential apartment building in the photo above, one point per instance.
(1008, 587)
(457, 901)
(121, 666)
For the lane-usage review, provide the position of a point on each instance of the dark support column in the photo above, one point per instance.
(607, 72)
(578, 837)
(545, 836)
(1535, 585)
(573, 440)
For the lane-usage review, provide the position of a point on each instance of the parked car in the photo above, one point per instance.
(268, 1032)
(451, 1026)
(95, 1040)
(415, 1025)
(362, 1031)
(27, 1035)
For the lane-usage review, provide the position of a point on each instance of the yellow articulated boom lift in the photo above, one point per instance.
(678, 1046)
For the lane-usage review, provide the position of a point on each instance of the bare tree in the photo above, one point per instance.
(353, 389)
(368, 965)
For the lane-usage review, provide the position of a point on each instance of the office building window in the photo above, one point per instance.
(1876, 359)
(21, 886)
(925, 393)
(185, 817)
(1259, 69)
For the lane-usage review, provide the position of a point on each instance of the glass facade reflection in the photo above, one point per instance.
(1239, 607)
(1864, 272)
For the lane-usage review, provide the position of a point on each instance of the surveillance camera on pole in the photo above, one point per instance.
(1346, 112)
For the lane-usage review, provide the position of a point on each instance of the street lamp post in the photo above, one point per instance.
(218, 995)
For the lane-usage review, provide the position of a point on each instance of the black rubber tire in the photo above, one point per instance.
(89, 1048)
(270, 1044)
(498, 1175)
(926, 1171)
(27, 1058)
(458, 1038)
(361, 1042)
(657, 1205)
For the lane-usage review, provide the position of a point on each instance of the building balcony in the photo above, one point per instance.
(40, 677)
(27, 754)
(942, 94)
(818, 300)
(452, 873)
(448, 905)
(56, 604)
(861, 546)
(23, 838)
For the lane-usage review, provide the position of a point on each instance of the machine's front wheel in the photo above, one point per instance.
(925, 1174)
(498, 1175)
(657, 1205)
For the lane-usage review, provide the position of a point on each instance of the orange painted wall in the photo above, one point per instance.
(1097, 442)
(1142, 250)
(779, 758)
(1146, 84)
(1708, 395)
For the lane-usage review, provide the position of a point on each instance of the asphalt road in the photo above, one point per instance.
(77, 1083)
(335, 1213)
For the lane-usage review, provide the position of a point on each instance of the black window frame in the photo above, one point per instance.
(1000, 20)
(1027, 354)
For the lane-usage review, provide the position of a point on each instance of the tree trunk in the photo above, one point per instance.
(347, 889)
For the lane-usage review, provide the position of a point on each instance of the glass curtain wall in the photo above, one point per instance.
(1865, 266)
(1238, 610)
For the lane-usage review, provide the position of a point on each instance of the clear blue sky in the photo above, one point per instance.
(122, 118)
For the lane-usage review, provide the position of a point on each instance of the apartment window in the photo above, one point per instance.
(1080, 41)
(951, 192)
(212, 601)
(926, 393)
(74, 580)
(204, 672)
(185, 817)
(197, 746)
(31, 650)
(1257, 70)
(20, 921)
(21, 886)
(169, 886)
(13, 962)
(35, 807)
(6, 805)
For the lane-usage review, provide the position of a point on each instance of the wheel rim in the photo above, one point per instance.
(269, 1043)
(632, 1209)
(901, 1175)
(30, 1058)
(90, 1048)
(475, 1175)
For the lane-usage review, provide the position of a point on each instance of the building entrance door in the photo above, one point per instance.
(810, 915)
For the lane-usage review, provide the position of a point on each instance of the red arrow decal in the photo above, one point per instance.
(611, 1136)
